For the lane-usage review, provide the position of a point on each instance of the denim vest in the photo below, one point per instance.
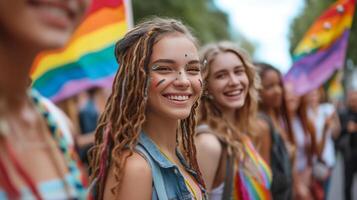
(168, 182)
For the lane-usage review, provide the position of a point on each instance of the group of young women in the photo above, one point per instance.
(181, 122)
(148, 137)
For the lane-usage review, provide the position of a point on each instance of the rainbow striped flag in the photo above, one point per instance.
(323, 48)
(247, 186)
(88, 60)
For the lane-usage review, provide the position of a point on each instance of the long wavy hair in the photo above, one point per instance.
(210, 112)
(282, 112)
(120, 124)
(308, 127)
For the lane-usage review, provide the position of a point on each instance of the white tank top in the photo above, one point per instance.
(217, 192)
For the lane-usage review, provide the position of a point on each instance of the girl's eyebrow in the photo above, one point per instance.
(239, 66)
(169, 61)
(193, 62)
(220, 71)
(224, 70)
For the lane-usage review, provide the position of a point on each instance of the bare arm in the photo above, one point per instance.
(335, 125)
(209, 151)
(84, 140)
(137, 175)
(264, 140)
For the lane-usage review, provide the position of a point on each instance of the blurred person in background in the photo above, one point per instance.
(349, 133)
(88, 115)
(327, 127)
(305, 139)
(231, 167)
(144, 147)
(276, 137)
(36, 161)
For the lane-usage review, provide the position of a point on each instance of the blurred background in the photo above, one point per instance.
(78, 78)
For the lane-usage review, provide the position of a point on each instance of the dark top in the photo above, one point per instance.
(345, 117)
(280, 164)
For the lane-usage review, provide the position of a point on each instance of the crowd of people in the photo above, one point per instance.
(181, 121)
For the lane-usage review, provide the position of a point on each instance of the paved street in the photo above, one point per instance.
(336, 190)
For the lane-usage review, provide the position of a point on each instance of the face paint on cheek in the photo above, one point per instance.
(161, 81)
(199, 80)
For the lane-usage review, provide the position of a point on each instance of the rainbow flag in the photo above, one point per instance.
(247, 186)
(88, 59)
(323, 48)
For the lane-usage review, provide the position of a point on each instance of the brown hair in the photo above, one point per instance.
(282, 112)
(210, 113)
(308, 127)
(121, 122)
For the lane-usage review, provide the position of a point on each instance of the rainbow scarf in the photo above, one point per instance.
(88, 59)
(247, 186)
(323, 48)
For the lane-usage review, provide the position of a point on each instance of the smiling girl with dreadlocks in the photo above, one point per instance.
(145, 135)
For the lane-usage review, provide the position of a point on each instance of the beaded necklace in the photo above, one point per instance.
(49, 122)
(68, 153)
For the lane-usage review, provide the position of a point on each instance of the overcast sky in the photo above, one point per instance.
(266, 23)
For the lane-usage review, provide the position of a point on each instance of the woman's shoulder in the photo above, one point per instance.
(137, 162)
(207, 140)
(263, 128)
(137, 174)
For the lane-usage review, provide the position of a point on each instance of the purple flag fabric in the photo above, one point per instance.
(313, 70)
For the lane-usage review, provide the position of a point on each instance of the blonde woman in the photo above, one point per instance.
(231, 167)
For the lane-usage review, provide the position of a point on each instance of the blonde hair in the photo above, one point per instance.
(121, 122)
(210, 113)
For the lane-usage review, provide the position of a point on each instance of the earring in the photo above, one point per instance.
(207, 95)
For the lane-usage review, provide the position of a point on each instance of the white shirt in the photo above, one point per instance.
(301, 142)
(319, 118)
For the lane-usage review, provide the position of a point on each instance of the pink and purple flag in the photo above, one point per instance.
(323, 48)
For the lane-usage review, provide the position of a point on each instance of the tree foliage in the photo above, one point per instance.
(312, 10)
(209, 23)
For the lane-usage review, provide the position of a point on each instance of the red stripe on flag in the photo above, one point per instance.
(98, 4)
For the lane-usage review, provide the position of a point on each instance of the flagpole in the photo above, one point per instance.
(129, 13)
(350, 68)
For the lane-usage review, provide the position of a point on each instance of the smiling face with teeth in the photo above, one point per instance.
(228, 82)
(175, 77)
(40, 24)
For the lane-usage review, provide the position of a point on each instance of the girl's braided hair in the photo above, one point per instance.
(120, 124)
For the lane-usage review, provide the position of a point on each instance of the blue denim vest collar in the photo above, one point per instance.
(162, 161)
(154, 151)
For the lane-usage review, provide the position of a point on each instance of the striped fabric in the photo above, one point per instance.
(88, 60)
(52, 189)
(248, 185)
